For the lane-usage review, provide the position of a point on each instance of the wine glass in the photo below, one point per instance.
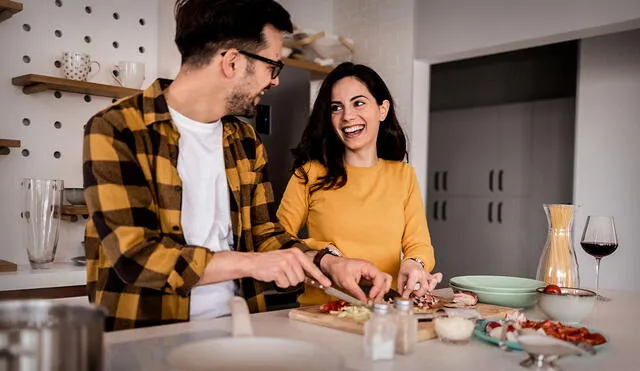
(599, 239)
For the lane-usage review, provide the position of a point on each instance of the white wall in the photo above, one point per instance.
(607, 175)
(168, 54)
(383, 34)
(455, 29)
(311, 14)
(41, 138)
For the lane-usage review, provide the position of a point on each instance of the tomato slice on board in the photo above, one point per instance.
(334, 305)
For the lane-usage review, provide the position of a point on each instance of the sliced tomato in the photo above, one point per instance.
(334, 305)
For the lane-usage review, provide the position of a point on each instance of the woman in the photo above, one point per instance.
(351, 187)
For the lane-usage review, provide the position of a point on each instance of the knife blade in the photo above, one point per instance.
(334, 292)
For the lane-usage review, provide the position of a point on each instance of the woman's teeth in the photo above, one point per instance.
(353, 129)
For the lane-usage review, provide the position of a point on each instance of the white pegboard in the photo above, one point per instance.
(75, 21)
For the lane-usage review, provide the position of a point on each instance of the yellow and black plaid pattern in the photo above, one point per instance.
(138, 266)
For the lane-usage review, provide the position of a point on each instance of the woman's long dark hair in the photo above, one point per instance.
(320, 142)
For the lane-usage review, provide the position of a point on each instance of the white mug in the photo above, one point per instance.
(128, 74)
(77, 66)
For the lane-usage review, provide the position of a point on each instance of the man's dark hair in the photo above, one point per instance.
(321, 143)
(203, 27)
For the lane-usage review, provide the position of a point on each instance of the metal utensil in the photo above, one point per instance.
(334, 292)
(44, 335)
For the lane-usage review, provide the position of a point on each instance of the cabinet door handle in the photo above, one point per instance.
(435, 210)
(444, 210)
(500, 173)
(500, 212)
(444, 180)
(490, 212)
(491, 180)
(436, 181)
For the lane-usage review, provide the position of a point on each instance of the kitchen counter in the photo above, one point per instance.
(145, 349)
(59, 275)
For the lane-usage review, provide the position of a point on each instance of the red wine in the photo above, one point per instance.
(599, 249)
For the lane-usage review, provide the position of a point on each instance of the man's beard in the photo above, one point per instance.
(241, 104)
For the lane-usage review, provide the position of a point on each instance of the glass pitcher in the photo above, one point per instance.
(40, 220)
(558, 263)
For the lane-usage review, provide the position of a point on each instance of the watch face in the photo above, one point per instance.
(334, 252)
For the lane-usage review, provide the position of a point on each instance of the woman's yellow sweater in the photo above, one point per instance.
(376, 216)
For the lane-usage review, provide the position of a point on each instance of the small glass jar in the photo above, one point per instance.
(380, 334)
(407, 333)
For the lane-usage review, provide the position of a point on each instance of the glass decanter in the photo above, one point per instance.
(558, 263)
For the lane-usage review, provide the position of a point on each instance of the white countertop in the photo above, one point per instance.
(58, 275)
(145, 349)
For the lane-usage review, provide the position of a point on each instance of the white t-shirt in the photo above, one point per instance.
(206, 216)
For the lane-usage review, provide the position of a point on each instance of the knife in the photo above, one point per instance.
(366, 286)
(334, 292)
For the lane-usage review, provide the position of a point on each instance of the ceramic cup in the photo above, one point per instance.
(128, 74)
(77, 66)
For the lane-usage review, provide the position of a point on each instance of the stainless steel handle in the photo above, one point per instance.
(444, 210)
(491, 180)
(444, 180)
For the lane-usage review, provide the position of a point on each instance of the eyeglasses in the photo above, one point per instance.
(277, 65)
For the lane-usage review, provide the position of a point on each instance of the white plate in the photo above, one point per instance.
(253, 353)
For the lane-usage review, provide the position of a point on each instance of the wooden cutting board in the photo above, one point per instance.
(426, 330)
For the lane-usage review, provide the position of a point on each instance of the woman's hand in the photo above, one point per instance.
(412, 278)
(347, 273)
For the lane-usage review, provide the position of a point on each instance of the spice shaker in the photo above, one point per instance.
(407, 332)
(380, 333)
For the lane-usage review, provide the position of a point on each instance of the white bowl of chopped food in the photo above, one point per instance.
(454, 330)
(567, 305)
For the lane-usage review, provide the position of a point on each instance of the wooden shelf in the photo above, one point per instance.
(8, 9)
(323, 70)
(37, 83)
(70, 213)
(5, 144)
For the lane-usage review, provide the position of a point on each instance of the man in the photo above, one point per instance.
(181, 209)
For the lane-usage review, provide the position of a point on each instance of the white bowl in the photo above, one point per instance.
(571, 305)
(74, 196)
(454, 330)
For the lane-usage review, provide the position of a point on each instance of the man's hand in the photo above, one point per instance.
(284, 267)
(347, 273)
(411, 273)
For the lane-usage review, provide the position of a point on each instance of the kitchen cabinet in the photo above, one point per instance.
(495, 140)
(490, 170)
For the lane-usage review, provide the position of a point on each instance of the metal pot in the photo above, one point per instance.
(40, 335)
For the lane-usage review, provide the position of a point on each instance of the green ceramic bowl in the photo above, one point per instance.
(500, 284)
(505, 299)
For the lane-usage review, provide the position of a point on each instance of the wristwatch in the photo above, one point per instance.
(417, 260)
(322, 253)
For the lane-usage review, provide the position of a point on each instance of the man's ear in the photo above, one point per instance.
(229, 63)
